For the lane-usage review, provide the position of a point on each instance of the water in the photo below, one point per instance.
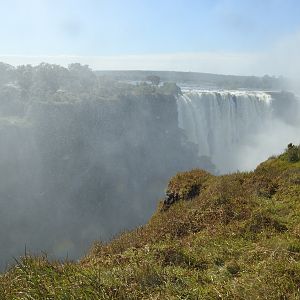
(220, 122)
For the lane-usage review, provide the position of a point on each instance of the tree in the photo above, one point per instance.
(82, 76)
(24, 75)
(293, 153)
(5, 73)
(50, 77)
(155, 80)
(171, 88)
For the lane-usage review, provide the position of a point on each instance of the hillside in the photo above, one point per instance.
(213, 237)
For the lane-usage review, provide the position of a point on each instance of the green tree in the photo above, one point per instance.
(293, 153)
(155, 80)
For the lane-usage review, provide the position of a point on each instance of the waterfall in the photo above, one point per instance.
(219, 122)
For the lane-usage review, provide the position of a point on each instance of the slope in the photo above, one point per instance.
(235, 236)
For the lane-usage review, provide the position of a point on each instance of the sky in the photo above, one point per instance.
(221, 36)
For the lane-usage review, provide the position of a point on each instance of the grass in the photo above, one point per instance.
(221, 237)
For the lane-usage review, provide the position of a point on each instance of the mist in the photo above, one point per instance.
(86, 155)
(272, 141)
(239, 129)
(83, 157)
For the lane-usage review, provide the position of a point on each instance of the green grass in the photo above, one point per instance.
(225, 237)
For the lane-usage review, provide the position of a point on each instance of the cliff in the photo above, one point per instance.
(214, 237)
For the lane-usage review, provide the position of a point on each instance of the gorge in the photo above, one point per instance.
(79, 164)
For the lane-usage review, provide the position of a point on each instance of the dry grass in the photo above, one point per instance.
(227, 237)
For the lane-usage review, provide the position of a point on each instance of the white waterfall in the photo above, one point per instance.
(220, 122)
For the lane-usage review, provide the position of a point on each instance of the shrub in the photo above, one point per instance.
(293, 153)
(262, 221)
(185, 186)
(233, 268)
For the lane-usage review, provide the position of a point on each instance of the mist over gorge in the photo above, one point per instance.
(82, 157)
(85, 155)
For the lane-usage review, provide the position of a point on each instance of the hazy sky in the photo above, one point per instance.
(184, 35)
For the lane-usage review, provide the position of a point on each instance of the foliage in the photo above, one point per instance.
(48, 82)
(293, 153)
(170, 88)
(227, 242)
(155, 80)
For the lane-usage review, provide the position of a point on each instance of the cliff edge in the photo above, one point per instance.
(235, 236)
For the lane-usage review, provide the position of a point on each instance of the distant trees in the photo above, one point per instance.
(43, 81)
(82, 74)
(171, 88)
(24, 76)
(5, 73)
(155, 80)
(50, 77)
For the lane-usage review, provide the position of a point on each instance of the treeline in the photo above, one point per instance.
(54, 83)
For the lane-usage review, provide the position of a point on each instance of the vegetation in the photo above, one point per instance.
(153, 79)
(293, 153)
(226, 237)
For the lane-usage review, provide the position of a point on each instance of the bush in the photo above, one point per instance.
(170, 88)
(293, 153)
